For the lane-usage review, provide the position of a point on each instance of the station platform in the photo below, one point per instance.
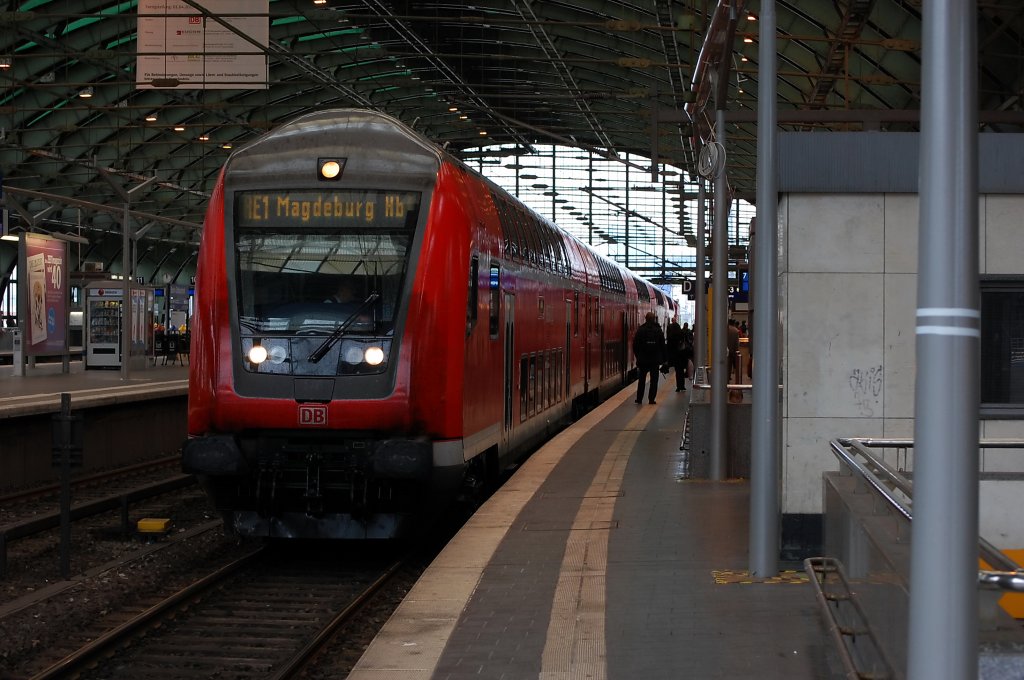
(39, 391)
(600, 559)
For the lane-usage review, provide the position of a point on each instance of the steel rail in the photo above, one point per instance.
(71, 663)
(79, 482)
(298, 662)
(40, 523)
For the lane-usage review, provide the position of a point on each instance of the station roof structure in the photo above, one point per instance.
(617, 78)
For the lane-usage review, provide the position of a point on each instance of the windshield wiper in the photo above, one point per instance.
(253, 323)
(329, 342)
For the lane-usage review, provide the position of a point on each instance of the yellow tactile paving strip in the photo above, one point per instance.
(727, 577)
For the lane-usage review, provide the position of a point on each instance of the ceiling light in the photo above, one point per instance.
(85, 93)
(751, 17)
(483, 133)
(225, 146)
(748, 39)
(453, 109)
(151, 118)
(463, 117)
(319, 2)
(206, 138)
(179, 128)
(5, 62)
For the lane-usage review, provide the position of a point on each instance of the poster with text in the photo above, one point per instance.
(45, 301)
(180, 47)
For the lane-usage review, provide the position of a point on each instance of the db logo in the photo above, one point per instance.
(312, 415)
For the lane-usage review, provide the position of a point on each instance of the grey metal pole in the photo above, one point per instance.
(700, 316)
(126, 301)
(764, 432)
(719, 306)
(943, 637)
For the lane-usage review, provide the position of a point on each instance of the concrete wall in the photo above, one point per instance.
(847, 283)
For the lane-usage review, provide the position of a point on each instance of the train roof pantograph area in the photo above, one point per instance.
(84, 130)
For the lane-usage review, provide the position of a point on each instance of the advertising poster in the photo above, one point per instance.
(45, 299)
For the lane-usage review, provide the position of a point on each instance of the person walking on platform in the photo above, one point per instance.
(733, 343)
(689, 351)
(649, 350)
(675, 347)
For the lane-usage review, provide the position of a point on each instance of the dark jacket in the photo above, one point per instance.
(649, 345)
(675, 341)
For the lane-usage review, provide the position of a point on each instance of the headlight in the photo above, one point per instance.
(257, 354)
(374, 355)
(353, 354)
(278, 354)
(364, 356)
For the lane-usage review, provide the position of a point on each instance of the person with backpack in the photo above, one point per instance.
(649, 350)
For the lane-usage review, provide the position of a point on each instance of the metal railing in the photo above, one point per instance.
(860, 651)
(881, 476)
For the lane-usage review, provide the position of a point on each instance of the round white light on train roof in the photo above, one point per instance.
(258, 354)
(330, 169)
(374, 356)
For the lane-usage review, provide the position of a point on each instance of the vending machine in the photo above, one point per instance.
(104, 319)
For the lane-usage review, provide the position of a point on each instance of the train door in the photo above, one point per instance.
(509, 368)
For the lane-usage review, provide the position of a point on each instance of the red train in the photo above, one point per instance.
(378, 327)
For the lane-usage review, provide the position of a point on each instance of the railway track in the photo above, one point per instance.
(263, 615)
(99, 483)
(102, 509)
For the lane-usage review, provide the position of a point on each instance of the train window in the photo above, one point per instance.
(494, 285)
(561, 255)
(291, 271)
(511, 233)
(576, 313)
(538, 237)
(542, 382)
(1002, 346)
(530, 232)
(524, 392)
(559, 374)
(532, 390)
(549, 381)
(474, 294)
(544, 234)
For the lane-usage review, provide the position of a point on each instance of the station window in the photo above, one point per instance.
(1002, 347)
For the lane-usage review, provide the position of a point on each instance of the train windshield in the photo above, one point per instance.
(301, 280)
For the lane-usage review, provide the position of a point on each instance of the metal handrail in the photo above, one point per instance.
(1006, 573)
(869, 477)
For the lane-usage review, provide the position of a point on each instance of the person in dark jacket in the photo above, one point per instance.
(733, 345)
(678, 353)
(649, 350)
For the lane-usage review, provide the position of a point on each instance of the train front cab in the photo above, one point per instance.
(301, 419)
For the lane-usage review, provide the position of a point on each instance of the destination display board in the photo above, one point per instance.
(328, 208)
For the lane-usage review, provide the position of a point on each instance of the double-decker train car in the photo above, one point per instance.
(378, 329)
